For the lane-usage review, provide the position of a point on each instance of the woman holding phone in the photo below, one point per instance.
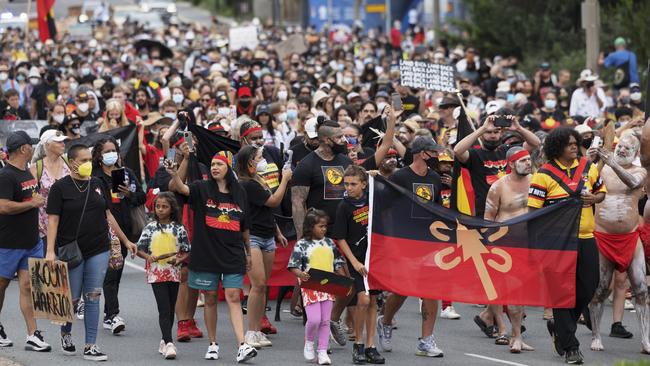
(78, 209)
(123, 199)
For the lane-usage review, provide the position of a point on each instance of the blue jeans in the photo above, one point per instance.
(89, 277)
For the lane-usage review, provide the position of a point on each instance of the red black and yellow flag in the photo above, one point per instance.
(46, 24)
(462, 191)
(422, 249)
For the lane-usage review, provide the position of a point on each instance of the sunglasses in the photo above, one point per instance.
(268, 83)
(205, 100)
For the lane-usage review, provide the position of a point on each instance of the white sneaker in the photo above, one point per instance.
(161, 348)
(4, 341)
(213, 352)
(323, 358)
(117, 325)
(308, 351)
(36, 343)
(427, 347)
(262, 340)
(170, 351)
(251, 339)
(245, 353)
(629, 305)
(449, 313)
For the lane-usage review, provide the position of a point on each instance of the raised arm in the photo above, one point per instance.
(631, 180)
(176, 184)
(276, 198)
(461, 150)
(387, 140)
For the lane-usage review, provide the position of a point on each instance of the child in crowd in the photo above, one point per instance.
(316, 251)
(351, 231)
(164, 245)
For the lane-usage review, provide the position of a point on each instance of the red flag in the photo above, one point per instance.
(425, 250)
(46, 24)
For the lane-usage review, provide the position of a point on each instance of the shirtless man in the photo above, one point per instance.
(617, 235)
(508, 198)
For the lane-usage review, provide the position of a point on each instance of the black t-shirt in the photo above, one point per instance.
(300, 151)
(217, 242)
(325, 182)
(261, 216)
(66, 201)
(42, 94)
(486, 167)
(18, 231)
(352, 226)
(427, 188)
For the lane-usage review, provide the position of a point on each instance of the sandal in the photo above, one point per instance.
(502, 340)
(487, 330)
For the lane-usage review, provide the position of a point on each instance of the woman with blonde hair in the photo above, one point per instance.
(114, 118)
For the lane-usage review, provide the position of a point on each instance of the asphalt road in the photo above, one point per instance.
(461, 340)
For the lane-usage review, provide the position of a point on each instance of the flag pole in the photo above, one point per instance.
(29, 9)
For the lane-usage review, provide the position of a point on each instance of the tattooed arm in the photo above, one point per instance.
(299, 207)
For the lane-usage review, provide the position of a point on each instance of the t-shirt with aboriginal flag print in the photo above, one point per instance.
(217, 243)
(18, 231)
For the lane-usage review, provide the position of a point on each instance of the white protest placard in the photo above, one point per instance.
(242, 37)
(50, 288)
(294, 44)
(426, 75)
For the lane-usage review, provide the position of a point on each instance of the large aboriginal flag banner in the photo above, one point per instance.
(46, 24)
(422, 249)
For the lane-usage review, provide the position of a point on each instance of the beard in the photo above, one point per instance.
(624, 160)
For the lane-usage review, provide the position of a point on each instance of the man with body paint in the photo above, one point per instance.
(506, 199)
(617, 236)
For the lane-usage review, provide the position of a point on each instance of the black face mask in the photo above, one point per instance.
(245, 103)
(433, 164)
(586, 143)
(491, 145)
(339, 148)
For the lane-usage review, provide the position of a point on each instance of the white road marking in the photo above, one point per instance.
(133, 265)
(495, 359)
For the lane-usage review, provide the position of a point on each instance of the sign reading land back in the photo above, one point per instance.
(426, 75)
(50, 286)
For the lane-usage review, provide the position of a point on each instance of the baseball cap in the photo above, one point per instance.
(545, 66)
(262, 108)
(423, 143)
(18, 139)
(619, 41)
(52, 135)
(583, 129)
(353, 95)
(493, 106)
(449, 101)
(311, 128)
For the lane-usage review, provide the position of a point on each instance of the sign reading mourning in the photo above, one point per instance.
(50, 288)
(426, 75)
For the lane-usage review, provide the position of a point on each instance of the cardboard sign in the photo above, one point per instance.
(294, 44)
(243, 37)
(426, 75)
(329, 282)
(50, 287)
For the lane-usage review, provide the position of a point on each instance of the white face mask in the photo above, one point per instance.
(4, 76)
(178, 98)
(282, 117)
(58, 118)
(336, 105)
(83, 107)
(242, 73)
(283, 94)
(347, 80)
(73, 87)
(261, 166)
(34, 81)
(550, 103)
(171, 115)
(380, 106)
(85, 71)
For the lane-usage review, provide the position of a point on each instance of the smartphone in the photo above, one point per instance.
(397, 102)
(597, 142)
(187, 135)
(287, 163)
(502, 121)
(171, 154)
(118, 178)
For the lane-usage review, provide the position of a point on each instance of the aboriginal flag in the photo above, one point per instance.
(46, 24)
(462, 191)
(422, 249)
(210, 143)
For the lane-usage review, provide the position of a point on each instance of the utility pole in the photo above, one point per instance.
(388, 18)
(590, 10)
(436, 22)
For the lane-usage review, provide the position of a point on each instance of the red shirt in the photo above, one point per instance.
(152, 158)
(395, 37)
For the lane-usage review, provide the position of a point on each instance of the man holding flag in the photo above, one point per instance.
(565, 176)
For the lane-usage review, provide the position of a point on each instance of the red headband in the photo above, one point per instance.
(179, 142)
(251, 130)
(218, 156)
(516, 156)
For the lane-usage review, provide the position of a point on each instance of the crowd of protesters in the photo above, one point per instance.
(334, 107)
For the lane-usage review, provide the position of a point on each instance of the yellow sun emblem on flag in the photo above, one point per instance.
(334, 176)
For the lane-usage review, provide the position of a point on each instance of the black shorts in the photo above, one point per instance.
(358, 284)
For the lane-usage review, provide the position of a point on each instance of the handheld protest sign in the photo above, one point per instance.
(329, 282)
(50, 289)
(427, 75)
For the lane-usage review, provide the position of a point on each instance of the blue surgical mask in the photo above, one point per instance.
(352, 141)
(292, 114)
(171, 115)
(178, 98)
(109, 158)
